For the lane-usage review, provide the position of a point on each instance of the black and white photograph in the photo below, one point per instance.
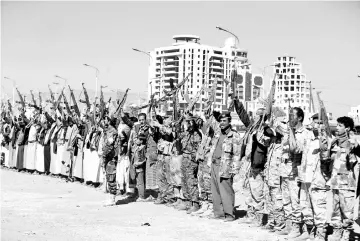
(180, 120)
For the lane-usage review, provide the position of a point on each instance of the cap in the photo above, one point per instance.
(225, 114)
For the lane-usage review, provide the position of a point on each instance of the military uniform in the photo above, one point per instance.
(166, 190)
(343, 184)
(190, 142)
(225, 154)
(274, 206)
(110, 156)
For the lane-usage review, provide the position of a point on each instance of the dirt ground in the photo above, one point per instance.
(39, 208)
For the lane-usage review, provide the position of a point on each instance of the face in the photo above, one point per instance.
(142, 120)
(341, 129)
(224, 123)
(295, 120)
(188, 125)
(138, 141)
(153, 116)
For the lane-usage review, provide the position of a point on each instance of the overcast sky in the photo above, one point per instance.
(41, 39)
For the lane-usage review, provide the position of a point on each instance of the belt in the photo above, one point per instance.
(343, 174)
(31, 141)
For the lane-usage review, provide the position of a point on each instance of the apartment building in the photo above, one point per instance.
(206, 63)
(292, 84)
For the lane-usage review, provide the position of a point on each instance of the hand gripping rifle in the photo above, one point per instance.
(87, 100)
(66, 104)
(122, 103)
(76, 107)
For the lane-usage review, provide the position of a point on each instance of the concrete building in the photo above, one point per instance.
(186, 55)
(292, 83)
(355, 114)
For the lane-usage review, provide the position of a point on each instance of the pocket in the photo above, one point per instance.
(228, 148)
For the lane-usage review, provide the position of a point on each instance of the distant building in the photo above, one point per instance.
(292, 83)
(186, 55)
(355, 113)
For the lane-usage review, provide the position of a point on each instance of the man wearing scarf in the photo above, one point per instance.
(225, 155)
(190, 141)
(343, 181)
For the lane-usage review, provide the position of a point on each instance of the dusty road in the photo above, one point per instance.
(38, 208)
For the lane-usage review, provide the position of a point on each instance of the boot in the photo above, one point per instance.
(248, 219)
(259, 220)
(345, 235)
(269, 227)
(307, 233)
(208, 213)
(286, 230)
(110, 201)
(336, 235)
(204, 207)
(183, 206)
(178, 201)
(159, 201)
(320, 234)
(296, 231)
(195, 207)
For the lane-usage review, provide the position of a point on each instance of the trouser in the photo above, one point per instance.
(204, 178)
(290, 194)
(223, 194)
(140, 183)
(166, 191)
(318, 198)
(189, 180)
(110, 170)
(306, 204)
(276, 217)
(343, 208)
(255, 201)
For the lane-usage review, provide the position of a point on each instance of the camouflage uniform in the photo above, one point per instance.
(190, 142)
(110, 156)
(223, 170)
(274, 206)
(343, 184)
(318, 190)
(258, 146)
(166, 191)
(202, 155)
(289, 177)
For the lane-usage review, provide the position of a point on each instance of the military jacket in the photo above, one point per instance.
(344, 167)
(230, 156)
(190, 142)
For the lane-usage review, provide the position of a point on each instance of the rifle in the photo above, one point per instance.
(171, 92)
(122, 102)
(87, 100)
(9, 106)
(51, 95)
(76, 107)
(102, 102)
(66, 104)
(33, 98)
(40, 100)
(22, 101)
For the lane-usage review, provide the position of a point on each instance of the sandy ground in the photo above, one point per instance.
(38, 208)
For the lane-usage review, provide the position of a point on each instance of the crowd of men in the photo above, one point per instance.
(302, 181)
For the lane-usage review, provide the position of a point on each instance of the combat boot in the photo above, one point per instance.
(336, 235)
(183, 206)
(203, 208)
(295, 232)
(286, 230)
(307, 233)
(195, 207)
(178, 201)
(208, 213)
(320, 234)
(345, 235)
(110, 201)
(248, 219)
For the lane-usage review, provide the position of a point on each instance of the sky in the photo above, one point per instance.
(43, 39)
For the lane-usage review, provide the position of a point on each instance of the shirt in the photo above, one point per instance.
(218, 149)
